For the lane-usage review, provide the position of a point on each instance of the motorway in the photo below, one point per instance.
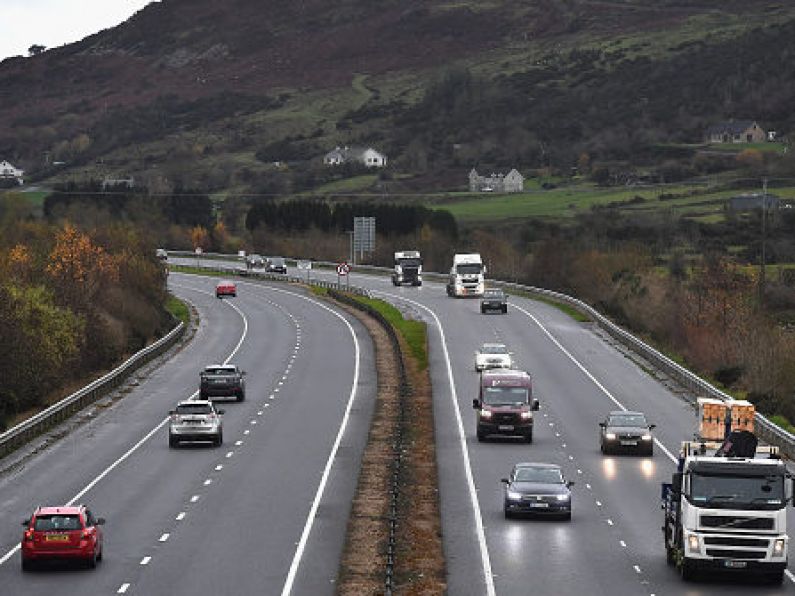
(240, 537)
(613, 544)
(266, 512)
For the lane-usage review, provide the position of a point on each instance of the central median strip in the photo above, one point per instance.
(393, 541)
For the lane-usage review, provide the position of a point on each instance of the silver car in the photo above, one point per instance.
(493, 355)
(195, 420)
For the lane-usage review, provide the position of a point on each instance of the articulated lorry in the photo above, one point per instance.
(467, 276)
(725, 509)
(408, 268)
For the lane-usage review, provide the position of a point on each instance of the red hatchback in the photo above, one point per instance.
(225, 288)
(62, 533)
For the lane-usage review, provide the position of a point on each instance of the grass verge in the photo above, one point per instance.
(782, 422)
(178, 308)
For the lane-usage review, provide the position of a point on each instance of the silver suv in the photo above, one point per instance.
(195, 420)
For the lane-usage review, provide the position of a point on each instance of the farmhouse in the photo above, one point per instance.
(368, 157)
(513, 181)
(740, 131)
(9, 172)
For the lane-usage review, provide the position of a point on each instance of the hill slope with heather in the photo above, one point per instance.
(207, 94)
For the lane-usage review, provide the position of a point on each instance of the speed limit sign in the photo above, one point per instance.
(343, 269)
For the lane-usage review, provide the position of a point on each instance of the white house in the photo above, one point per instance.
(8, 172)
(368, 157)
(513, 181)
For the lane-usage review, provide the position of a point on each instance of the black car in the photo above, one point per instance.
(626, 431)
(277, 265)
(494, 299)
(537, 489)
(222, 380)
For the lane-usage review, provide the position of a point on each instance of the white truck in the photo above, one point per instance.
(467, 275)
(725, 509)
(408, 268)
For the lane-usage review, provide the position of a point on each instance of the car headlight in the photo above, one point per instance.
(563, 497)
(513, 495)
(779, 547)
(646, 437)
(527, 415)
(485, 414)
(693, 544)
(610, 436)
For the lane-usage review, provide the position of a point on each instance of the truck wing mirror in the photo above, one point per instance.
(603, 424)
(570, 483)
(676, 483)
(26, 522)
(100, 521)
(536, 405)
(476, 404)
(652, 426)
(504, 481)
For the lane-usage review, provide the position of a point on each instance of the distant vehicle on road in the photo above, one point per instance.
(537, 489)
(466, 275)
(277, 265)
(494, 299)
(254, 262)
(505, 404)
(493, 355)
(626, 431)
(408, 268)
(68, 533)
(222, 380)
(225, 288)
(195, 420)
(162, 254)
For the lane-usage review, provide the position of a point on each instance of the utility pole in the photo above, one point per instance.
(763, 259)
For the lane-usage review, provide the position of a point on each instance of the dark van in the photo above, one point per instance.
(505, 404)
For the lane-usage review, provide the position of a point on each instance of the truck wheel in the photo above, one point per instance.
(505, 310)
(482, 310)
(669, 555)
(173, 442)
(776, 578)
(241, 396)
(686, 570)
(219, 440)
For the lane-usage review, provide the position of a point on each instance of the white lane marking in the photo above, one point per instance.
(790, 575)
(563, 445)
(145, 560)
(253, 422)
(622, 543)
(246, 432)
(267, 405)
(195, 498)
(123, 589)
(229, 454)
(598, 503)
(488, 578)
(579, 471)
(588, 486)
(181, 516)
(589, 375)
(557, 434)
(571, 457)
(310, 520)
(208, 482)
(637, 569)
(609, 522)
(148, 435)
(164, 537)
(219, 467)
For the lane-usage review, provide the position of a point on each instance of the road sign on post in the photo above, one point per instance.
(363, 235)
(342, 271)
(305, 266)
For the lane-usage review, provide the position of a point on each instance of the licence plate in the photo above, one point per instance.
(539, 505)
(735, 564)
(56, 538)
(506, 427)
(629, 442)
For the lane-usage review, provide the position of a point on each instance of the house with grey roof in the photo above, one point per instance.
(366, 156)
(513, 181)
(752, 201)
(9, 172)
(736, 131)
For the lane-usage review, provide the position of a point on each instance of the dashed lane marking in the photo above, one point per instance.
(145, 560)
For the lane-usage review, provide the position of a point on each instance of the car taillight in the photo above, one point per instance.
(86, 535)
(28, 536)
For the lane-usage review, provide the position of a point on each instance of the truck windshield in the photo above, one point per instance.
(505, 396)
(409, 262)
(737, 492)
(469, 269)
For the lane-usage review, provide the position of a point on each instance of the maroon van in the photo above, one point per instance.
(505, 404)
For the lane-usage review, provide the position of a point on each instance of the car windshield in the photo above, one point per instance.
(493, 294)
(737, 492)
(541, 475)
(219, 371)
(493, 349)
(469, 269)
(184, 409)
(627, 420)
(277, 262)
(45, 523)
(505, 396)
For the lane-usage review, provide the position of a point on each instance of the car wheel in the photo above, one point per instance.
(91, 562)
(650, 451)
(481, 436)
(234, 294)
(173, 441)
(508, 514)
(241, 396)
(482, 310)
(27, 565)
(101, 554)
(505, 310)
(219, 440)
(567, 516)
(776, 578)
(529, 436)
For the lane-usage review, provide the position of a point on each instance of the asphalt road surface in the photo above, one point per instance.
(266, 512)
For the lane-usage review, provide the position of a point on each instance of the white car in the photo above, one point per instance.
(493, 356)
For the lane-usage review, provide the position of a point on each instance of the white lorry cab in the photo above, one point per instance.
(725, 509)
(467, 275)
(408, 268)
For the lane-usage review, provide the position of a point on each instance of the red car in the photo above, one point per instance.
(62, 533)
(225, 288)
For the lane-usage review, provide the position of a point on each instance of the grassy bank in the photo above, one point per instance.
(178, 308)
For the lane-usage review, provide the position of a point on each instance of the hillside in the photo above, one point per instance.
(206, 94)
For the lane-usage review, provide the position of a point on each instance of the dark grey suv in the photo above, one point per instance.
(494, 300)
(537, 489)
(626, 431)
